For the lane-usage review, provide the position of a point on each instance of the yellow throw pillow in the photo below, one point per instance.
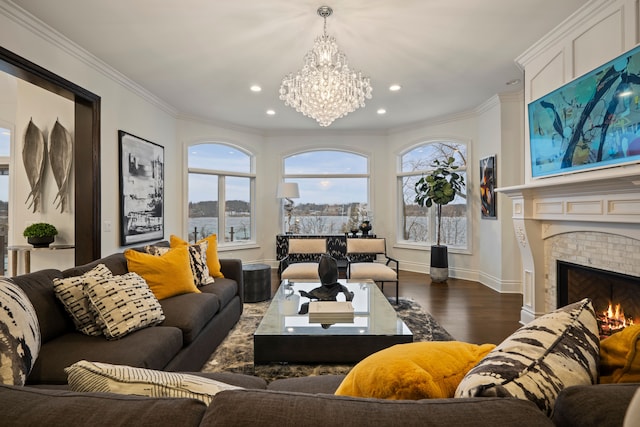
(167, 275)
(620, 357)
(213, 262)
(419, 370)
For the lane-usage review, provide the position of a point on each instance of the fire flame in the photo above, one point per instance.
(613, 320)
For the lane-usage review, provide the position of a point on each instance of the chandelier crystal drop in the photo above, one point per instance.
(325, 88)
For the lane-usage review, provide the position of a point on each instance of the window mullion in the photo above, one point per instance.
(222, 200)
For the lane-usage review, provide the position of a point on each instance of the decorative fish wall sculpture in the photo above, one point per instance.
(34, 154)
(60, 158)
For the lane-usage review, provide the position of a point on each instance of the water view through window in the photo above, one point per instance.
(334, 191)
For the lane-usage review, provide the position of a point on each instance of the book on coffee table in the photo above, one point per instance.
(330, 312)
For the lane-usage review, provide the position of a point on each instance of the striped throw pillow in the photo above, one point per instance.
(84, 376)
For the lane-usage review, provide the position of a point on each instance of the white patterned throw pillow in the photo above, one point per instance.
(197, 261)
(122, 304)
(84, 376)
(19, 334)
(70, 291)
(535, 363)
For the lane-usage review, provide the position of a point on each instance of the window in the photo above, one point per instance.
(221, 192)
(334, 191)
(418, 224)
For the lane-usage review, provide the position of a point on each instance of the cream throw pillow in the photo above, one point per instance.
(70, 291)
(122, 304)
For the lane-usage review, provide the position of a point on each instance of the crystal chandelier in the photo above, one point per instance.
(325, 88)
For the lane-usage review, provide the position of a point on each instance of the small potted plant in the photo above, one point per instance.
(40, 234)
(439, 188)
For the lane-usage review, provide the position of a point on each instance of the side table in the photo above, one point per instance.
(25, 250)
(257, 282)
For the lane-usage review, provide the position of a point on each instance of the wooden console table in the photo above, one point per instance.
(25, 250)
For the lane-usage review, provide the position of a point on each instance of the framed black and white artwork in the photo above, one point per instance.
(141, 189)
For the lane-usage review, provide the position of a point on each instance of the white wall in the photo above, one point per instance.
(123, 106)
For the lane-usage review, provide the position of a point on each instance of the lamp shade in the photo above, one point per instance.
(288, 190)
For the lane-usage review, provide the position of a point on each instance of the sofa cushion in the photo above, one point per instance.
(27, 406)
(277, 409)
(19, 334)
(232, 378)
(52, 317)
(70, 292)
(327, 384)
(190, 313)
(620, 357)
(116, 263)
(198, 259)
(167, 275)
(107, 378)
(419, 370)
(225, 289)
(122, 304)
(557, 350)
(593, 405)
(151, 348)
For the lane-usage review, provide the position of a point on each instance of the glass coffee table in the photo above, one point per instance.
(286, 336)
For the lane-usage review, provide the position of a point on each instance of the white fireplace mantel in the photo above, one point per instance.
(607, 201)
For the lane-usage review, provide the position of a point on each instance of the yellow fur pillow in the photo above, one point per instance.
(213, 262)
(167, 275)
(419, 370)
(620, 357)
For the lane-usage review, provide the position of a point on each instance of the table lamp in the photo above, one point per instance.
(288, 191)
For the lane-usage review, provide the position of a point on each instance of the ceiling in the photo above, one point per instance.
(202, 56)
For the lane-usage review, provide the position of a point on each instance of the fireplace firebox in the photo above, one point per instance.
(615, 296)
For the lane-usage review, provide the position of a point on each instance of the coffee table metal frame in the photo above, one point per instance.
(285, 336)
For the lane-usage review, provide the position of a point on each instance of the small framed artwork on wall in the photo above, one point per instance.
(488, 181)
(141, 190)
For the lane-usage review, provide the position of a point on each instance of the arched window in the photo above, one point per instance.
(418, 224)
(334, 191)
(221, 192)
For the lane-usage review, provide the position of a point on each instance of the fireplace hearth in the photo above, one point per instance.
(615, 296)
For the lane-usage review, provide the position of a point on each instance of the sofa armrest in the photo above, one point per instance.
(593, 405)
(231, 268)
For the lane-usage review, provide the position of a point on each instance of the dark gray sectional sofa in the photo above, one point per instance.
(194, 325)
(303, 402)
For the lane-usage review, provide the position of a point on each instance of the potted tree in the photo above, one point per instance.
(440, 188)
(40, 234)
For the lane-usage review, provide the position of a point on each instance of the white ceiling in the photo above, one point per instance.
(201, 56)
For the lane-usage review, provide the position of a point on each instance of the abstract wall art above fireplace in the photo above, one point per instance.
(591, 122)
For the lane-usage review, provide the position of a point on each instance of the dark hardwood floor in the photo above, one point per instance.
(469, 311)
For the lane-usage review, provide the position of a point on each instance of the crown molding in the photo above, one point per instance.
(53, 37)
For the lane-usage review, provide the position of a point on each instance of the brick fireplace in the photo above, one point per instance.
(589, 222)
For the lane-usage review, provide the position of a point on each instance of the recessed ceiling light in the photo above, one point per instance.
(381, 111)
(271, 112)
(256, 88)
(395, 87)
(513, 82)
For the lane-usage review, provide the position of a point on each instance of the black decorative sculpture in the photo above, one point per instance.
(330, 287)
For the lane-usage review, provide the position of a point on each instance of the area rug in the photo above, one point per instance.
(235, 354)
